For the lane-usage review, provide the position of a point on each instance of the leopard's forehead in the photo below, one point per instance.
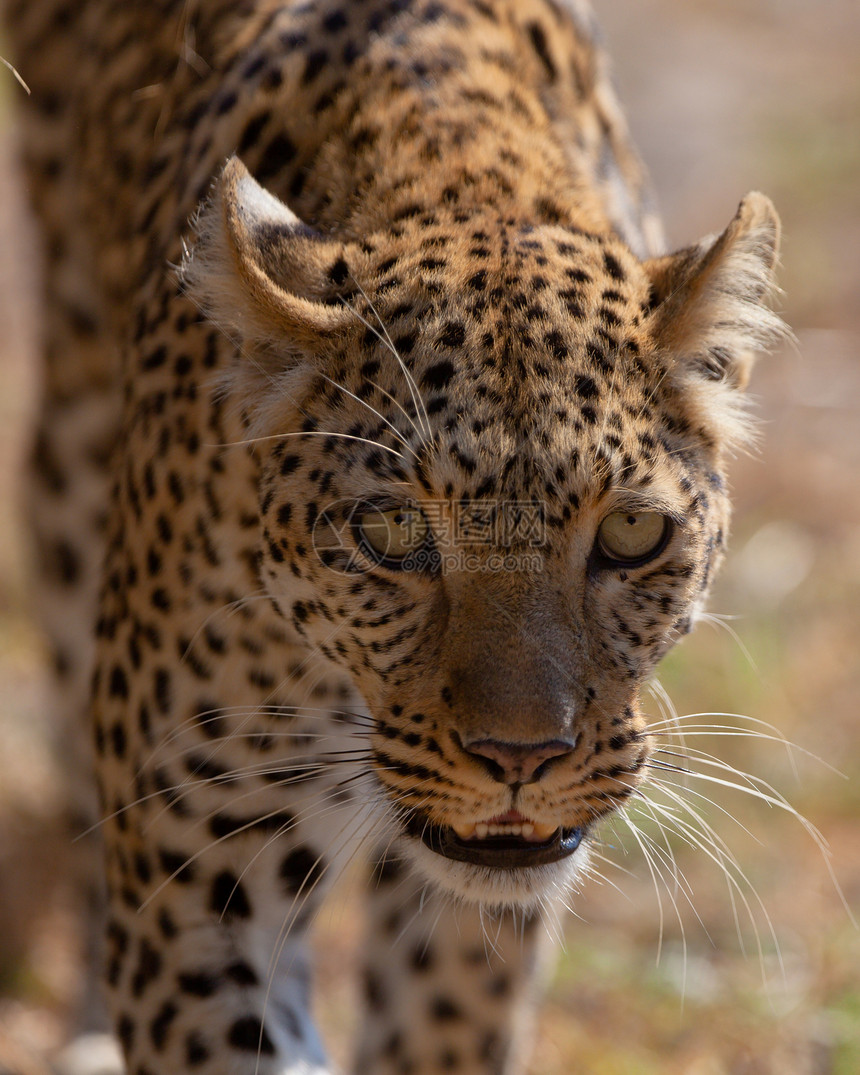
(521, 354)
(542, 286)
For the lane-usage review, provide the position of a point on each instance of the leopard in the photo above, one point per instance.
(382, 455)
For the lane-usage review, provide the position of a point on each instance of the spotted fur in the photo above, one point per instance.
(426, 279)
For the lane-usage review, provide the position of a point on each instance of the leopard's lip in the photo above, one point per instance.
(505, 848)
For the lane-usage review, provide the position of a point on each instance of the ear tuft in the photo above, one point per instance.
(710, 315)
(257, 270)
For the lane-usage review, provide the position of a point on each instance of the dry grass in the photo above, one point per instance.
(724, 96)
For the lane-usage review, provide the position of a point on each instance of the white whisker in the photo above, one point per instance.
(389, 343)
(373, 410)
(307, 433)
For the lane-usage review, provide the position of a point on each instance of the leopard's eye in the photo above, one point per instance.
(631, 538)
(392, 538)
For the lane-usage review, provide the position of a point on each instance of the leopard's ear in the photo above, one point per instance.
(258, 271)
(709, 314)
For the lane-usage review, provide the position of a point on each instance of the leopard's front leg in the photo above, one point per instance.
(211, 975)
(447, 986)
(214, 879)
(226, 816)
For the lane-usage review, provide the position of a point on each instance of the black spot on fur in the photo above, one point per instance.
(279, 154)
(613, 267)
(228, 897)
(66, 562)
(196, 1052)
(249, 1034)
(586, 386)
(300, 868)
(197, 983)
(242, 973)
(404, 343)
(161, 1024)
(444, 1010)
(334, 21)
(225, 103)
(314, 64)
(453, 334)
(176, 866)
(478, 281)
(125, 1031)
(118, 686)
(537, 37)
(439, 375)
(339, 272)
(555, 342)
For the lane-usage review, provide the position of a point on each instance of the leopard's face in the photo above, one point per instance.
(491, 490)
(488, 508)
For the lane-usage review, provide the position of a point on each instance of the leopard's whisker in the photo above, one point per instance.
(179, 791)
(718, 621)
(294, 914)
(410, 380)
(401, 408)
(256, 822)
(373, 410)
(308, 433)
(702, 836)
(304, 669)
(348, 720)
(657, 879)
(230, 608)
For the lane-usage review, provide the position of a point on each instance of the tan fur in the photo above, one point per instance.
(426, 283)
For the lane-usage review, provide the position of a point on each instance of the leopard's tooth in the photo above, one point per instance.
(465, 830)
(543, 830)
(537, 831)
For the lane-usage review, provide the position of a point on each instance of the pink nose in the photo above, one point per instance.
(517, 763)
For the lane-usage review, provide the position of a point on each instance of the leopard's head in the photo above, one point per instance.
(492, 489)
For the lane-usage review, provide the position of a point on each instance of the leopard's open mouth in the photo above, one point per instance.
(506, 842)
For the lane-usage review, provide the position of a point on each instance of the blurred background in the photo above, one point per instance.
(700, 975)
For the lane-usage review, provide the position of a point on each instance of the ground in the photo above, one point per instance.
(724, 96)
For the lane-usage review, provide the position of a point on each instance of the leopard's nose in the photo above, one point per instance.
(517, 763)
